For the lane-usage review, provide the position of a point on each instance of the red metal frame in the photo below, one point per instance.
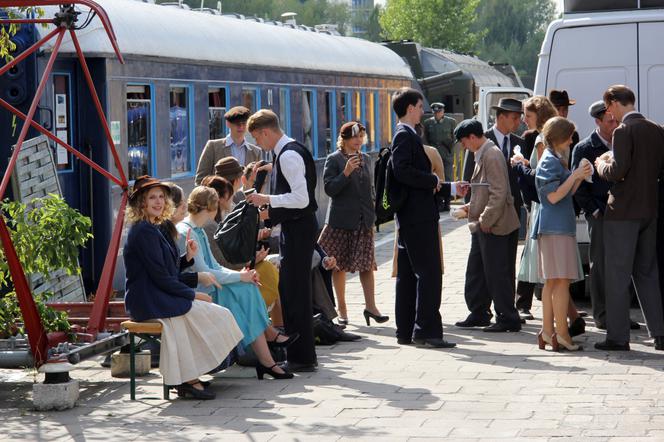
(33, 324)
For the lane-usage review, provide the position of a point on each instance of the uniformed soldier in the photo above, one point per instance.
(439, 132)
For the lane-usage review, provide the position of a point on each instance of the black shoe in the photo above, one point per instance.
(659, 342)
(500, 327)
(524, 313)
(343, 336)
(378, 318)
(600, 325)
(633, 325)
(274, 344)
(433, 343)
(106, 363)
(471, 322)
(186, 390)
(262, 370)
(404, 341)
(582, 313)
(611, 346)
(522, 321)
(577, 327)
(297, 367)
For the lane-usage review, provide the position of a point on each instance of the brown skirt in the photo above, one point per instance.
(353, 249)
(557, 257)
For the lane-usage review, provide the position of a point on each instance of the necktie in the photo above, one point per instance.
(505, 148)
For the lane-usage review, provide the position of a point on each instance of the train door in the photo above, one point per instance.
(651, 71)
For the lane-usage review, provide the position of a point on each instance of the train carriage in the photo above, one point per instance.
(183, 69)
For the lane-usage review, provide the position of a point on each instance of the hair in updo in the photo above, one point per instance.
(202, 198)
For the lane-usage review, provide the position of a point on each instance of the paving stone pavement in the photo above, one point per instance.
(492, 386)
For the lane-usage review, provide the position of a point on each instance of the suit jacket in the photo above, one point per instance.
(591, 196)
(492, 205)
(515, 140)
(638, 157)
(215, 150)
(351, 197)
(412, 171)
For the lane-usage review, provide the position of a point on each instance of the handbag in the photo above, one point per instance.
(237, 234)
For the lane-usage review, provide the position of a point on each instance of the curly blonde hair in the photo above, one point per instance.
(543, 107)
(136, 209)
(202, 198)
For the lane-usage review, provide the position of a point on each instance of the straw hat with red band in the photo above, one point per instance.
(145, 183)
(351, 129)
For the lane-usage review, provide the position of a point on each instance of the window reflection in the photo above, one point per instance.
(216, 111)
(179, 118)
(138, 131)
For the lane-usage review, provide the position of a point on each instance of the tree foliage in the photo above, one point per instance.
(444, 24)
(7, 32)
(513, 31)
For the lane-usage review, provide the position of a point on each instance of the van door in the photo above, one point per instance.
(651, 71)
(586, 60)
(490, 96)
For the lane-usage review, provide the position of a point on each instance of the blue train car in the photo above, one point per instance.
(183, 69)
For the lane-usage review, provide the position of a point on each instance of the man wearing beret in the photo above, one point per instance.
(439, 132)
(234, 145)
(492, 220)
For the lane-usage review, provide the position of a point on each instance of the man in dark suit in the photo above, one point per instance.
(630, 220)
(508, 120)
(419, 276)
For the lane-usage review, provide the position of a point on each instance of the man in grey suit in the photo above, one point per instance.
(234, 145)
(630, 220)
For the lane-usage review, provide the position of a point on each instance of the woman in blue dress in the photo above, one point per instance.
(239, 292)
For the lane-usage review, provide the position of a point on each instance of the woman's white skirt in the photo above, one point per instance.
(196, 342)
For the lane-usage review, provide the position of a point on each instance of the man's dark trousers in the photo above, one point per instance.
(630, 254)
(597, 274)
(489, 278)
(298, 238)
(419, 282)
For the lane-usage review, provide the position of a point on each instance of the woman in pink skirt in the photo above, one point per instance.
(348, 231)
(554, 227)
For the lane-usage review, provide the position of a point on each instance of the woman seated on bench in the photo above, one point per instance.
(197, 335)
(238, 290)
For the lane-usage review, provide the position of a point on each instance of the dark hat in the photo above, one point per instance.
(509, 105)
(144, 183)
(228, 167)
(560, 98)
(437, 107)
(468, 127)
(597, 109)
(351, 129)
(237, 114)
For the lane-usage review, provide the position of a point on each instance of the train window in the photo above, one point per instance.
(217, 104)
(330, 121)
(284, 109)
(139, 130)
(250, 99)
(180, 130)
(371, 120)
(345, 107)
(309, 121)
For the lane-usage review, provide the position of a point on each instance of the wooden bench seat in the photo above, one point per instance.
(150, 331)
(151, 328)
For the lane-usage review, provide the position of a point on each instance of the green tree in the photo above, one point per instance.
(371, 23)
(434, 23)
(513, 32)
(7, 46)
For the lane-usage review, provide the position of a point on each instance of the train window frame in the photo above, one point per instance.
(377, 125)
(363, 115)
(331, 120)
(347, 110)
(285, 92)
(189, 91)
(71, 123)
(152, 126)
(257, 97)
(313, 110)
(370, 120)
(226, 89)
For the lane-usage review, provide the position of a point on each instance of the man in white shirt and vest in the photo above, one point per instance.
(292, 204)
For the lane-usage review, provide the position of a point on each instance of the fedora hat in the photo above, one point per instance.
(509, 105)
(145, 183)
(560, 98)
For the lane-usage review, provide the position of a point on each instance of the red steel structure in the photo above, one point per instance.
(64, 23)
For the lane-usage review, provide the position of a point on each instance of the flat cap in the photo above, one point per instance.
(237, 114)
(597, 109)
(437, 107)
(468, 127)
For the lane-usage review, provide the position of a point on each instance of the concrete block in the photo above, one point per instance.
(120, 364)
(55, 396)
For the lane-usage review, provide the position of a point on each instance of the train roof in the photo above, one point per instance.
(149, 30)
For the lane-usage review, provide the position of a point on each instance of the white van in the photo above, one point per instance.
(616, 42)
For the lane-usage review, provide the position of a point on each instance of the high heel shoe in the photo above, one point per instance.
(543, 339)
(185, 390)
(378, 318)
(262, 370)
(283, 344)
(569, 346)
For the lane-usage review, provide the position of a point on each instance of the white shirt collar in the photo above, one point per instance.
(285, 139)
(230, 142)
(408, 126)
(499, 136)
(480, 151)
(629, 113)
(606, 143)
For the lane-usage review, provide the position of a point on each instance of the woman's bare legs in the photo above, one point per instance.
(339, 283)
(368, 285)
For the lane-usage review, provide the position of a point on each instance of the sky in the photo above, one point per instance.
(558, 2)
